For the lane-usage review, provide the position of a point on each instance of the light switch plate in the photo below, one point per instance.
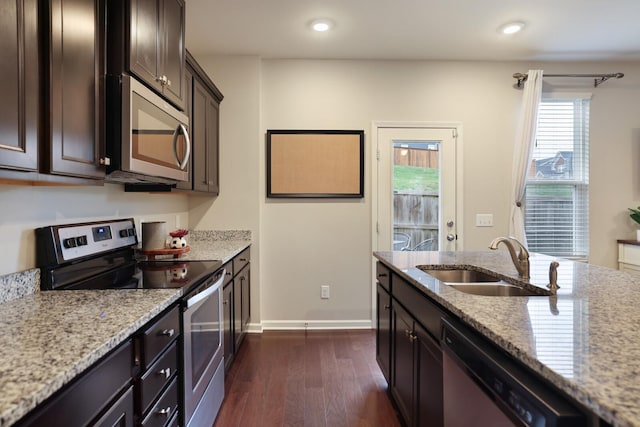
(484, 220)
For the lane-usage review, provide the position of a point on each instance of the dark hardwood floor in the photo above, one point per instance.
(315, 378)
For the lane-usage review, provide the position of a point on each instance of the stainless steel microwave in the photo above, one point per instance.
(147, 138)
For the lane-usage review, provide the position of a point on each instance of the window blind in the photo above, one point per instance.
(557, 190)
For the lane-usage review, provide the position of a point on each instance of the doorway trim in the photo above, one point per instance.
(375, 126)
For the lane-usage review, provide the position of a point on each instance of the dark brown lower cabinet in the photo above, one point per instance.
(383, 331)
(407, 351)
(236, 305)
(403, 364)
(98, 391)
(416, 379)
(227, 318)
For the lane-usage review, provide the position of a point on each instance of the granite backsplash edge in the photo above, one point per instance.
(18, 285)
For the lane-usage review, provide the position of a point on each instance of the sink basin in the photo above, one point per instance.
(480, 283)
(461, 276)
(496, 289)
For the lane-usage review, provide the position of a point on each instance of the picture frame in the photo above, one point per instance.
(315, 163)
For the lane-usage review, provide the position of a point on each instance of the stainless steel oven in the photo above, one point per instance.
(203, 352)
(147, 138)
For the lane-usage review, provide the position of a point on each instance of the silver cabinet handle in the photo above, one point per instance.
(168, 332)
(165, 372)
(166, 411)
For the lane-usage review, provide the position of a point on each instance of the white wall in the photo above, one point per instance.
(24, 208)
(305, 244)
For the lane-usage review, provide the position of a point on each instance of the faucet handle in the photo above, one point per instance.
(553, 277)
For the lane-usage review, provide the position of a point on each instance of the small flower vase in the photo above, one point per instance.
(638, 235)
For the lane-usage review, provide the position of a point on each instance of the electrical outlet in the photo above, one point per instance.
(484, 220)
(324, 291)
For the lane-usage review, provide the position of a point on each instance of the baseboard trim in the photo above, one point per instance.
(316, 325)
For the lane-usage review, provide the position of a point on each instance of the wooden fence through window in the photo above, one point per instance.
(416, 214)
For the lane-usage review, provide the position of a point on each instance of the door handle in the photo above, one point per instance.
(181, 129)
(451, 237)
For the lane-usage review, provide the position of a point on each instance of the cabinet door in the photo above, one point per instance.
(212, 146)
(188, 82)
(403, 363)
(120, 414)
(205, 139)
(245, 288)
(227, 319)
(75, 86)
(429, 388)
(237, 313)
(383, 331)
(172, 51)
(19, 85)
(145, 40)
(198, 142)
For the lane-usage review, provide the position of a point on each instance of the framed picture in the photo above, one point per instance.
(315, 163)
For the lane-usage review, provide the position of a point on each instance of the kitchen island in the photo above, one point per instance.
(49, 338)
(584, 340)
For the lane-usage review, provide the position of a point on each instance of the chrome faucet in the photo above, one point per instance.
(520, 259)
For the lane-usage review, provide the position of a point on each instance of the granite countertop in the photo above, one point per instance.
(584, 340)
(48, 338)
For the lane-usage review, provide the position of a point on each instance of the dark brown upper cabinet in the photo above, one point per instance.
(19, 85)
(73, 105)
(51, 126)
(156, 46)
(203, 110)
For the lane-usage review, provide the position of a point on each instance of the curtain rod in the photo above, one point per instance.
(597, 78)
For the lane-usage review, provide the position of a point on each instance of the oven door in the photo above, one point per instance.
(203, 352)
(156, 140)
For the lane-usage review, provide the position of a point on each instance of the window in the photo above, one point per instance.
(557, 189)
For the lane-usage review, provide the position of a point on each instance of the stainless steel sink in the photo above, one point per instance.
(499, 289)
(461, 275)
(480, 283)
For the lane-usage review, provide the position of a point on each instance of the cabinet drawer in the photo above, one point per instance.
(424, 311)
(629, 254)
(159, 335)
(165, 407)
(240, 260)
(158, 375)
(99, 385)
(383, 276)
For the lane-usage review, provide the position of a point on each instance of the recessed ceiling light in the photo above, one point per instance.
(512, 27)
(321, 25)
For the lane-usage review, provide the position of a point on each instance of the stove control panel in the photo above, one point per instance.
(57, 244)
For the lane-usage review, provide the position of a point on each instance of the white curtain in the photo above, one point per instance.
(522, 153)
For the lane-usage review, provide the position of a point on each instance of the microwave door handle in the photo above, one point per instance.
(185, 160)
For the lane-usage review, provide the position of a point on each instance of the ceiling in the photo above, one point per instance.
(556, 30)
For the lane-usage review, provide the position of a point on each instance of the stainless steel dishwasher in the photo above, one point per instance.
(485, 387)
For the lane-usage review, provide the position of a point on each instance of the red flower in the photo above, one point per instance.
(179, 233)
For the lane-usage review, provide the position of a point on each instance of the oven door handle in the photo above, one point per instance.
(207, 292)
